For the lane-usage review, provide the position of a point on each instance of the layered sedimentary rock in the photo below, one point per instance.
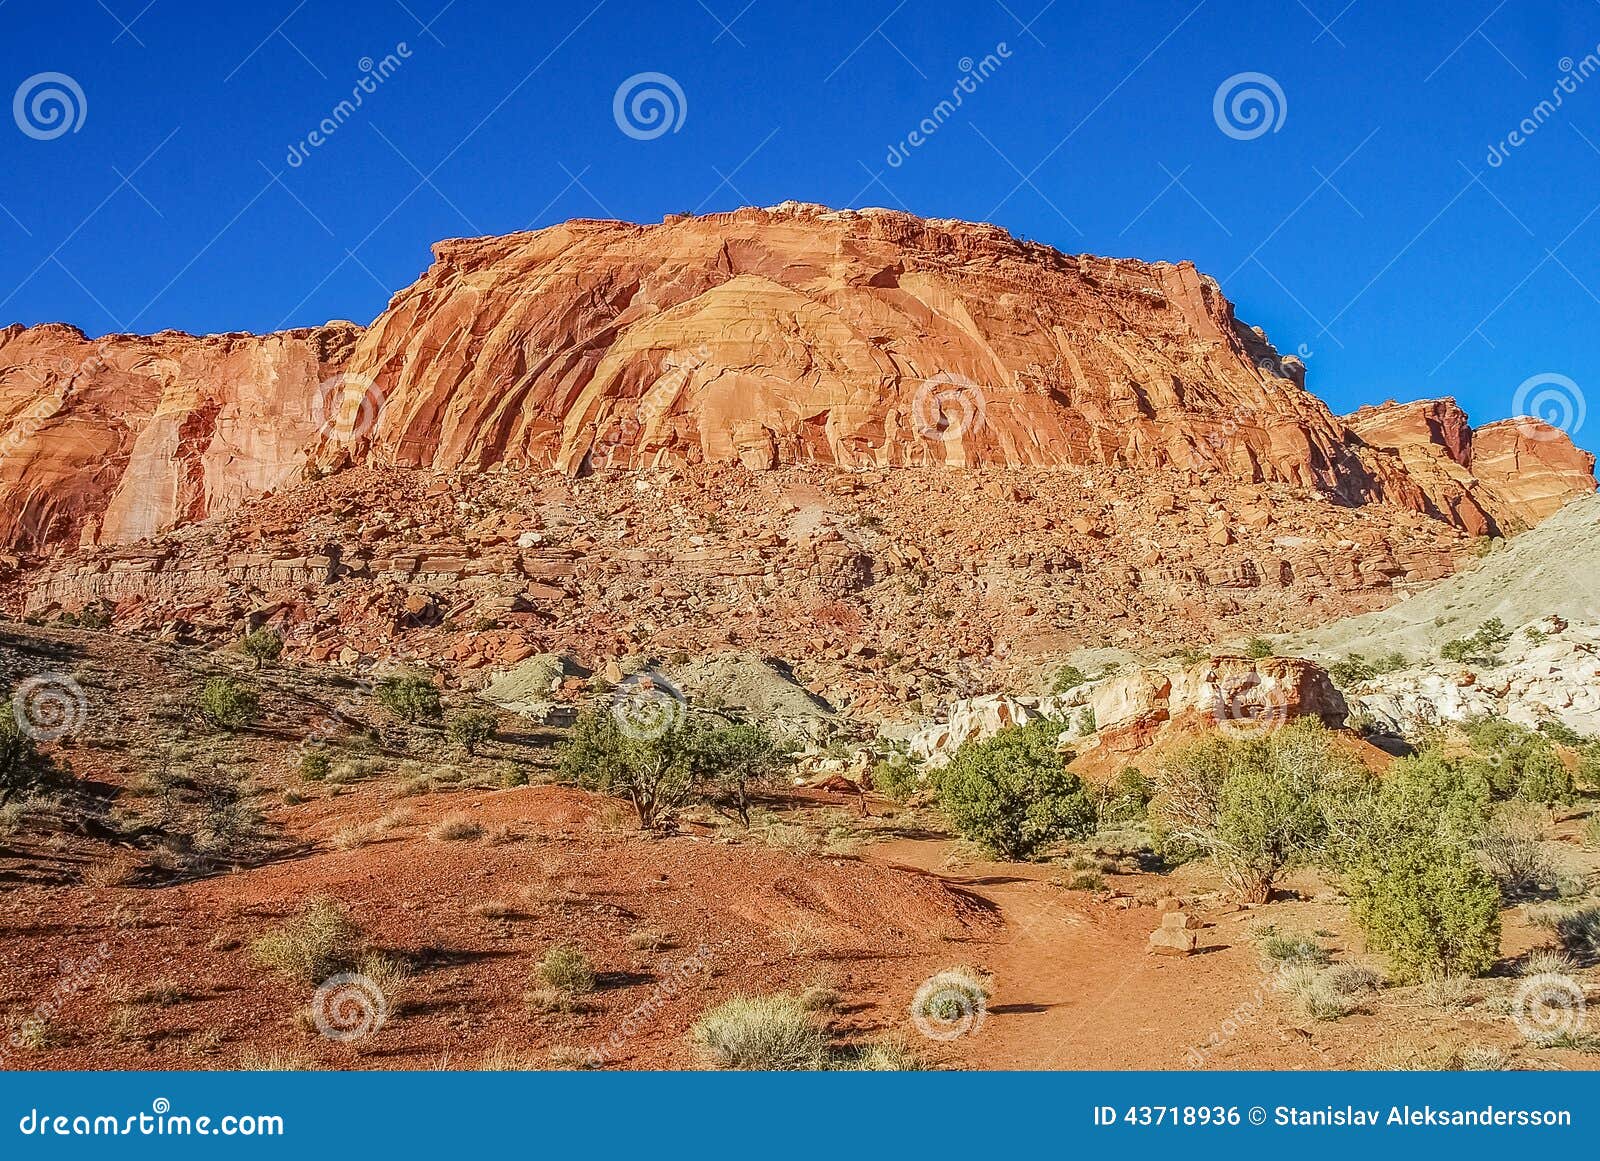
(761, 339)
(1500, 478)
(116, 439)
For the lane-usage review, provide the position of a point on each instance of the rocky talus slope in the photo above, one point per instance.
(763, 338)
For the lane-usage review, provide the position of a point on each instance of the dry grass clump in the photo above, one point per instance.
(566, 969)
(506, 1058)
(320, 942)
(456, 828)
(762, 1033)
(568, 1058)
(889, 1056)
(649, 939)
(274, 1060)
(821, 998)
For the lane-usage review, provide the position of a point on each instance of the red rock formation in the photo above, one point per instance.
(1500, 478)
(118, 438)
(788, 336)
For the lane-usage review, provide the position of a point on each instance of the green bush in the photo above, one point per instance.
(1012, 792)
(263, 645)
(315, 764)
(471, 728)
(1258, 647)
(896, 777)
(1426, 903)
(1123, 799)
(1355, 668)
(1255, 806)
(1481, 648)
(1069, 678)
(764, 1033)
(1520, 763)
(411, 697)
(227, 704)
(690, 761)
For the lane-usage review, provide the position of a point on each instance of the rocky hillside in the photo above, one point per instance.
(762, 338)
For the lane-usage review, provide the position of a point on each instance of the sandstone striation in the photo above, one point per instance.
(762, 339)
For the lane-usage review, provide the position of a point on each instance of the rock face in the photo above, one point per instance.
(762, 339)
(1501, 478)
(114, 440)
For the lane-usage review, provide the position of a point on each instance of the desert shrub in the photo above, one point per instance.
(1315, 992)
(1068, 677)
(881, 1057)
(1482, 648)
(821, 998)
(1258, 647)
(1012, 792)
(766, 1033)
(23, 771)
(262, 645)
(661, 771)
(1513, 849)
(1424, 901)
(1288, 947)
(315, 764)
(1123, 799)
(470, 729)
(566, 969)
(1519, 762)
(896, 777)
(1254, 806)
(1546, 961)
(1355, 668)
(1579, 932)
(227, 704)
(320, 942)
(411, 697)
(1591, 830)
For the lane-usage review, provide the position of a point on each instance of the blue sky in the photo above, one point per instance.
(1367, 229)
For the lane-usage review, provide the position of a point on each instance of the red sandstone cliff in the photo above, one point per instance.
(765, 337)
